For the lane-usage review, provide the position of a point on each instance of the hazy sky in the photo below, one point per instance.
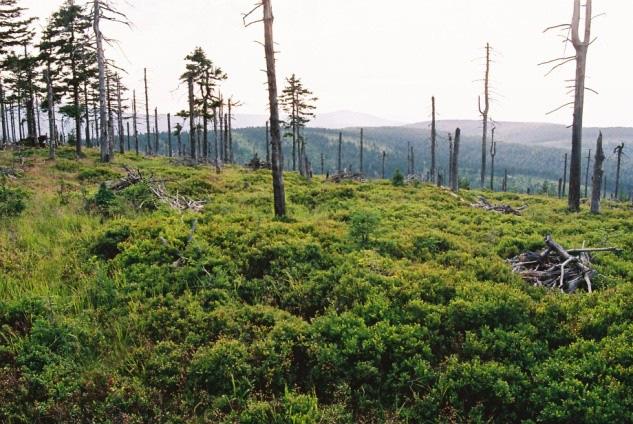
(383, 57)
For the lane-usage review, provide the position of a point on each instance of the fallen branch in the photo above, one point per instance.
(484, 204)
(347, 176)
(557, 268)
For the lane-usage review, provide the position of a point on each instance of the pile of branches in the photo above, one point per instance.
(557, 268)
(484, 204)
(256, 163)
(178, 202)
(347, 176)
(132, 177)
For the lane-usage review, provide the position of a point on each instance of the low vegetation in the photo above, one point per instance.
(372, 302)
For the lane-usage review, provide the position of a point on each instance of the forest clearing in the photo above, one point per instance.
(173, 254)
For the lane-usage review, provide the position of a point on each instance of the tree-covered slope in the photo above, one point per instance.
(370, 303)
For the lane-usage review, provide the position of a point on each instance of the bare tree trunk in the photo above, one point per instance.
(120, 116)
(277, 165)
(226, 138)
(169, 148)
(215, 134)
(103, 139)
(581, 46)
(127, 124)
(493, 153)
(455, 167)
(598, 172)
(192, 123)
(87, 108)
(340, 153)
(587, 174)
(619, 151)
(433, 141)
(450, 160)
(384, 154)
(322, 164)
(412, 161)
(148, 147)
(205, 132)
(51, 118)
(231, 155)
(156, 132)
(484, 114)
(134, 124)
(3, 116)
(110, 119)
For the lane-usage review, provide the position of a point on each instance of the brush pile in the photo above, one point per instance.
(557, 268)
(347, 176)
(484, 204)
(180, 203)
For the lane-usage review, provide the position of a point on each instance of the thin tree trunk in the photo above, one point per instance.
(156, 133)
(581, 47)
(450, 160)
(110, 119)
(340, 152)
(3, 116)
(105, 154)
(484, 114)
(134, 124)
(433, 140)
(215, 133)
(51, 118)
(619, 151)
(587, 174)
(127, 124)
(226, 138)
(192, 123)
(455, 167)
(598, 172)
(277, 166)
(231, 155)
(384, 154)
(170, 151)
(120, 116)
(149, 140)
(493, 153)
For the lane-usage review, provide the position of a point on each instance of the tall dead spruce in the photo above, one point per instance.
(484, 111)
(581, 46)
(279, 193)
(598, 173)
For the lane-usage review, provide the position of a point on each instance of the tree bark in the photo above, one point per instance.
(455, 167)
(169, 148)
(597, 176)
(493, 153)
(619, 151)
(565, 177)
(587, 174)
(134, 124)
(433, 141)
(484, 114)
(581, 47)
(277, 166)
(384, 154)
(103, 139)
(267, 142)
(120, 116)
(192, 123)
(51, 119)
(156, 132)
(148, 147)
(3, 116)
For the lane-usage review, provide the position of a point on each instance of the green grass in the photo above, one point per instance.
(370, 303)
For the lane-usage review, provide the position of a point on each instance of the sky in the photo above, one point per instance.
(386, 58)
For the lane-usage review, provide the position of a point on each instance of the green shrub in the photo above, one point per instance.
(12, 201)
(97, 175)
(362, 225)
(398, 179)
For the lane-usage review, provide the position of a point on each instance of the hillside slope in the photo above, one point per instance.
(369, 304)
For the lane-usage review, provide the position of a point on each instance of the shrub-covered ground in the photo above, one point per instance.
(369, 304)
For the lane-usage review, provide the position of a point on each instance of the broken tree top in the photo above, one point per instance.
(557, 268)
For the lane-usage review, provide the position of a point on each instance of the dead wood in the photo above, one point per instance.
(484, 204)
(558, 268)
(339, 177)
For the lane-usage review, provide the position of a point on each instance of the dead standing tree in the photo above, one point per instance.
(484, 111)
(598, 173)
(493, 153)
(433, 141)
(455, 164)
(581, 47)
(276, 164)
(619, 150)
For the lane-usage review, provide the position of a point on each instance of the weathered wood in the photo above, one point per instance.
(484, 204)
(598, 172)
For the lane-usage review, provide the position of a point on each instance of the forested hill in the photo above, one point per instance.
(528, 164)
(368, 303)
